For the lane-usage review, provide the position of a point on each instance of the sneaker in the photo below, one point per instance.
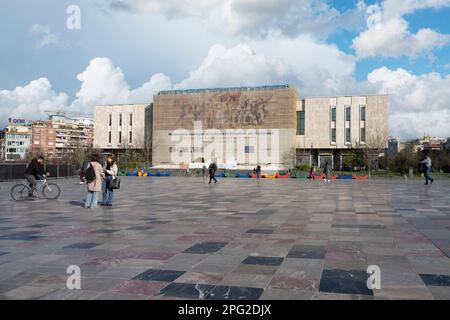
(432, 180)
(426, 183)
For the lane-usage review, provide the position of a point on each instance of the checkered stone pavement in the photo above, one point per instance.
(180, 238)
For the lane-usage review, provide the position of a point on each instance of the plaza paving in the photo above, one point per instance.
(172, 238)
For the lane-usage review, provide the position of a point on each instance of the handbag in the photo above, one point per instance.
(114, 184)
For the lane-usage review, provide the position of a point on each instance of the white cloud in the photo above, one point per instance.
(258, 18)
(396, 8)
(288, 17)
(169, 8)
(31, 100)
(237, 66)
(316, 68)
(390, 37)
(45, 36)
(145, 93)
(418, 103)
(103, 83)
(393, 39)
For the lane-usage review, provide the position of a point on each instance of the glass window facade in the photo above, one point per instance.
(300, 123)
(363, 113)
(363, 135)
(348, 113)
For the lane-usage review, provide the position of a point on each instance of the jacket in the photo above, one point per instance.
(96, 185)
(35, 169)
(426, 162)
(112, 171)
(212, 168)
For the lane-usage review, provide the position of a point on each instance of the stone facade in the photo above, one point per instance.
(243, 127)
(118, 127)
(365, 125)
(231, 122)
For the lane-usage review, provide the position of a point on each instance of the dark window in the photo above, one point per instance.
(120, 137)
(363, 134)
(363, 113)
(347, 135)
(249, 149)
(131, 119)
(120, 119)
(333, 114)
(300, 123)
(110, 120)
(333, 135)
(109, 137)
(131, 137)
(348, 114)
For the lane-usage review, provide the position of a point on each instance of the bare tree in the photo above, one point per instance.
(375, 144)
(288, 158)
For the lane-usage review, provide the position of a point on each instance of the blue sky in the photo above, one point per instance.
(126, 50)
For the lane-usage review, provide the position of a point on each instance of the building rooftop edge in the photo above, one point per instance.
(123, 104)
(225, 89)
(346, 96)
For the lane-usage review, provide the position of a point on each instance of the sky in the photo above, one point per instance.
(123, 51)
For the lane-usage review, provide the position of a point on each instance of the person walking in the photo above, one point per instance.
(327, 172)
(427, 169)
(258, 172)
(35, 171)
(110, 171)
(212, 172)
(94, 177)
(204, 172)
(312, 173)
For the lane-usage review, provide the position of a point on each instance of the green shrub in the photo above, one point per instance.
(305, 167)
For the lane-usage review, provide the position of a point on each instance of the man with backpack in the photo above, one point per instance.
(94, 178)
(212, 172)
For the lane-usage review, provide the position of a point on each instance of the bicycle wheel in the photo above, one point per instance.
(20, 192)
(51, 191)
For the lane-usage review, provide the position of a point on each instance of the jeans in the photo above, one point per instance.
(32, 180)
(427, 175)
(107, 194)
(91, 200)
(212, 177)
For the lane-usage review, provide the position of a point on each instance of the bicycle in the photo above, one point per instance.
(21, 191)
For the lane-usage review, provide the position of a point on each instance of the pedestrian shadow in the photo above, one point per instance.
(76, 203)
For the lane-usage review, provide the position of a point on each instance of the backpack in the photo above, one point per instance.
(90, 174)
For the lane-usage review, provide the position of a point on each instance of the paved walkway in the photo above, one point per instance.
(170, 238)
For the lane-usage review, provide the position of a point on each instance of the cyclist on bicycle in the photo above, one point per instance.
(35, 171)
